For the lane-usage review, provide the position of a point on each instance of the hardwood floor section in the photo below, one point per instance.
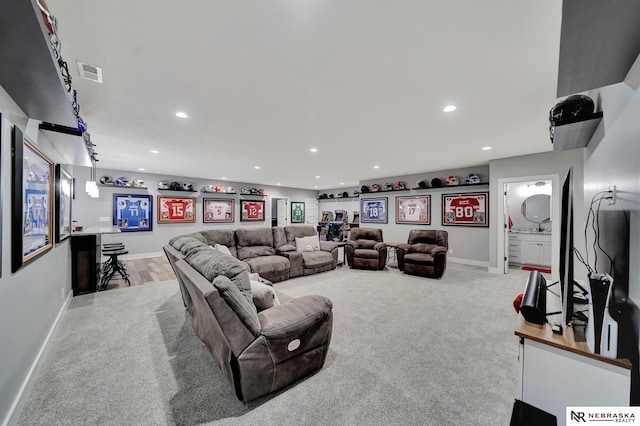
(144, 271)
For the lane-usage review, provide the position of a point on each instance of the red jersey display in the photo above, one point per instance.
(253, 210)
(175, 209)
(465, 209)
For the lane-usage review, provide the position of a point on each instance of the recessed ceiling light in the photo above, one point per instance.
(155, 151)
(314, 150)
(449, 108)
(181, 115)
(317, 177)
(223, 178)
(486, 148)
(278, 184)
(376, 167)
(142, 169)
(341, 183)
(256, 167)
(315, 187)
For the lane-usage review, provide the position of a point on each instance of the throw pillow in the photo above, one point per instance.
(223, 249)
(308, 243)
(264, 296)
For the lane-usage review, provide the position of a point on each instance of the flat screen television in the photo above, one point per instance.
(567, 282)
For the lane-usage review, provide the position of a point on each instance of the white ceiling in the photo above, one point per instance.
(263, 81)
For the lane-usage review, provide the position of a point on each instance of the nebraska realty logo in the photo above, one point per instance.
(579, 415)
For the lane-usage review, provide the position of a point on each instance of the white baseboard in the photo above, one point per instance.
(136, 256)
(494, 271)
(23, 393)
(467, 262)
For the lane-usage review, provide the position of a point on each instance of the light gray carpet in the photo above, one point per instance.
(405, 351)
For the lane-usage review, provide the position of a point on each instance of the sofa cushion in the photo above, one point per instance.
(366, 244)
(211, 263)
(317, 259)
(254, 242)
(423, 248)
(223, 249)
(264, 296)
(308, 243)
(233, 297)
(179, 242)
(268, 266)
(419, 258)
(299, 231)
(367, 254)
(225, 237)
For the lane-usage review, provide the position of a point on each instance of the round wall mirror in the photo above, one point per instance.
(537, 208)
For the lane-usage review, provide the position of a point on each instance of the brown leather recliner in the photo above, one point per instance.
(365, 249)
(425, 253)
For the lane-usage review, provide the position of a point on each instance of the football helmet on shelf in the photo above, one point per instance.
(254, 191)
(472, 179)
(245, 191)
(388, 186)
(345, 194)
(331, 195)
(399, 185)
(375, 187)
(163, 185)
(261, 191)
(436, 182)
(421, 184)
(175, 186)
(323, 196)
(106, 180)
(220, 188)
(137, 183)
(122, 181)
(452, 180)
(210, 188)
(365, 189)
(187, 186)
(338, 194)
(231, 190)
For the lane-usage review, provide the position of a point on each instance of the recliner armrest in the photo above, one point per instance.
(407, 248)
(379, 245)
(438, 249)
(289, 319)
(328, 245)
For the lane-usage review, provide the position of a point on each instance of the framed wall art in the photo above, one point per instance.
(251, 211)
(176, 209)
(132, 212)
(32, 202)
(471, 209)
(297, 212)
(374, 210)
(414, 210)
(63, 194)
(218, 210)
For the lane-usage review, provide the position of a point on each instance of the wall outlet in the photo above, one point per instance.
(104, 219)
(612, 195)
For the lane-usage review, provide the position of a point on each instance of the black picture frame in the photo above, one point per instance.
(297, 212)
(1, 206)
(374, 210)
(465, 209)
(133, 213)
(252, 211)
(413, 210)
(63, 195)
(31, 202)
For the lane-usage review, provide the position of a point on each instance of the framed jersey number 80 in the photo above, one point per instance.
(470, 209)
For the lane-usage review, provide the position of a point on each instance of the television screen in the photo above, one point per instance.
(566, 248)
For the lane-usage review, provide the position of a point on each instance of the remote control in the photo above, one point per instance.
(556, 328)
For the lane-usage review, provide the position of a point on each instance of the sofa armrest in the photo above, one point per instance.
(380, 245)
(285, 249)
(290, 318)
(438, 249)
(328, 246)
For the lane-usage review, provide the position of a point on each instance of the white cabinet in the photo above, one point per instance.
(515, 248)
(536, 249)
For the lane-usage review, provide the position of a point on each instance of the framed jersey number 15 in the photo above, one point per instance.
(470, 209)
(176, 209)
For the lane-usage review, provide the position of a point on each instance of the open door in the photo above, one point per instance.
(283, 209)
(505, 233)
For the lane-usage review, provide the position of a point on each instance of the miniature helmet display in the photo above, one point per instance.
(421, 183)
(187, 186)
(436, 182)
(254, 191)
(388, 186)
(261, 191)
(106, 180)
(220, 188)
(210, 188)
(331, 195)
(163, 185)
(175, 186)
(231, 190)
(365, 189)
(345, 194)
(338, 194)
(323, 196)
(399, 185)
(452, 180)
(375, 187)
(137, 183)
(472, 179)
(122, 181)
(245, 191)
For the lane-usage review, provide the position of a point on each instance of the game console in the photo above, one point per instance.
(602, 329)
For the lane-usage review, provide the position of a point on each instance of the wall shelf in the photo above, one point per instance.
(452, 187)
(106, 185)
(576, 134)
(173, 190)
(29, 71)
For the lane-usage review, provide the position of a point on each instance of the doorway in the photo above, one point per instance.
(280, 211)
(529, 224)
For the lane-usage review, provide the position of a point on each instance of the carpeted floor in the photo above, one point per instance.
(405, 351)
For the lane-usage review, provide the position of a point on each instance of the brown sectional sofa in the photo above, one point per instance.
(257, 351)
(272, 252)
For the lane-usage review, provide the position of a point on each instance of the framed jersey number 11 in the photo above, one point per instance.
(176, 209)
(470, 209)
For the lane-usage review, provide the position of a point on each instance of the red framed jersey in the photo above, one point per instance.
(251, 211)
(176, 209)
(465, 209)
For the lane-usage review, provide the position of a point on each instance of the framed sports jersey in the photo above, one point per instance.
(218, 210)
(251, 211)
(374, 210)
(465, 209)
(132, 212)
(414, 210)
(32, 202)
(176, 209)
(297, 212)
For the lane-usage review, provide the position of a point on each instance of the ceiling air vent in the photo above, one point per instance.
(90, 72)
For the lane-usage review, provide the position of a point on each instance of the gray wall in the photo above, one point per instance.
(468, 244)
(30, 299)
(87, 211)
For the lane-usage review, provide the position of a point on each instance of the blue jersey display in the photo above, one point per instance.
(132, 214)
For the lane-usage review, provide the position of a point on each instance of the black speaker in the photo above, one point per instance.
(534, 301)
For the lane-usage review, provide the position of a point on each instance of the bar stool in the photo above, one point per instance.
(112, 265)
